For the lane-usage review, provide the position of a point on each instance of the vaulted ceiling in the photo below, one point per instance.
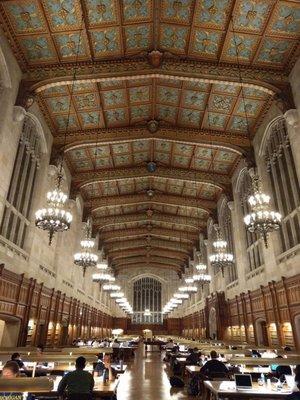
(182, 84)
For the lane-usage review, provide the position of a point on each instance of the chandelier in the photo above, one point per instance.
(85, 258)
(101, 277)
(183, 296)
(110, 287)
(201, 267)
(188, 289)
(116, 295)
(261, 219)
(202, 279)
(54, 218)
(102, 265)
(220, 257)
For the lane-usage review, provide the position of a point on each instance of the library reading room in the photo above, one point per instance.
(149, 199)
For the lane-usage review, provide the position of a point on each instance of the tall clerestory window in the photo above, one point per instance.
(253, 242)
(284, 181)
(17, 205)
(147, 296)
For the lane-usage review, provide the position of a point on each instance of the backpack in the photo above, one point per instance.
(176, 382)
(193, 387)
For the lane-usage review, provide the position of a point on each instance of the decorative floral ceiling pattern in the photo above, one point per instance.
(258, 32)
(218, 107)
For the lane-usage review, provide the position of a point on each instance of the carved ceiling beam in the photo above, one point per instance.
(115, 220)
(81, 179)
(172, 255)
(126, 234)
(158, 198)
(145, 264)
(164, 244)
(142, 259)
(90, 137)
(139, 68)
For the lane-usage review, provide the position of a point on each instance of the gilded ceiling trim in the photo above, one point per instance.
(158, 198)
(83, 179)
(115, 220)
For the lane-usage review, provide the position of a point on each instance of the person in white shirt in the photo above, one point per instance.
(104, 343)
(269, 354)
(170, 344)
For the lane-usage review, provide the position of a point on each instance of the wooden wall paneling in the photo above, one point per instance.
(291, 319)
(24, 325)
(277, 314)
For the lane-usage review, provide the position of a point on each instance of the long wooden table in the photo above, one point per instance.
(227, 389)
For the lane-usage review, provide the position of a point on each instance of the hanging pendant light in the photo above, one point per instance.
(220, 257)
(261, 219)
(54, 217)
(85, 258)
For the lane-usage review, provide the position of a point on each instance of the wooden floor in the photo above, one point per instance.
(147, 379)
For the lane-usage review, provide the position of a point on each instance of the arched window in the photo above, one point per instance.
(17, 206)
(254, 250)
(225, 223)
(147, 295)
(285, 185)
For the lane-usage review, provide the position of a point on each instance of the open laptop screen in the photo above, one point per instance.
(243, 381)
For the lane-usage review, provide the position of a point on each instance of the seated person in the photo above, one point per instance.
(17, 358)
(214, 365)
(95, 343)
(255, 354)
(170, 344)
(99, 367)
(269, 354)
(296, 390)
(104, 343)
(193, 358)
(77, 384)
(10, 371)
(115, 344)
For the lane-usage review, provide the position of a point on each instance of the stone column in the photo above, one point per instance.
(293, 126)
(239, 240)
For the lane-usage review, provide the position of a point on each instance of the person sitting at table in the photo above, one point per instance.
(269, 354)
(78, 384)
(104, 343)
(255, 354)
(39, 349)
(194, 357)
(115, 344)
(10, 371)
(296, 390)
(17, 358)
(99, 367)
(170, 344)
(213, 366)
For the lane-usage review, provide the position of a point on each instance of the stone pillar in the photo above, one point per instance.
(239, 240)
(292, 118)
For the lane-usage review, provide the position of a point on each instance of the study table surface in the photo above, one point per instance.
(101, 389)
(227, 389)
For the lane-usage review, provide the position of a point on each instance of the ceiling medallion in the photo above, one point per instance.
(261, 219)
(85, 258)
(153, 126)
(220, 257)
(54, 218)
(155, 58)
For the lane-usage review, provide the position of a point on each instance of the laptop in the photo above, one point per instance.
(243, 381)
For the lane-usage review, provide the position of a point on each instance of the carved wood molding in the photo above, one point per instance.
(82, 179)
(171, 234)
(158, 198)
(171, 219)
(89, 137)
